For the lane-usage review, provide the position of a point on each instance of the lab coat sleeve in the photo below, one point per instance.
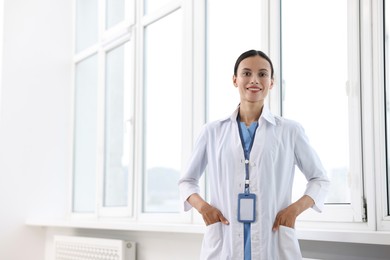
(189, 181)
(310, 165)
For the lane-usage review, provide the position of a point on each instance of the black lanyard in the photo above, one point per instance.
(246, 152)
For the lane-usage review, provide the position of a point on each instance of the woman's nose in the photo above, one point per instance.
(254, 80)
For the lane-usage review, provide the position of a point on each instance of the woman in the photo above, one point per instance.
(251, 157)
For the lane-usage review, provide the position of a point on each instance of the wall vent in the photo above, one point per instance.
(87, 248)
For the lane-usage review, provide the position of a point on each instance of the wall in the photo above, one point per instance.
(179, 246)
(344, 251)
(150, 245)
(34, 121)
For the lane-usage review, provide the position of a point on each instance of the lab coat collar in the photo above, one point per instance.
(265, 114)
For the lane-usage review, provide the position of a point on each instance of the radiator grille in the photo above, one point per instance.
(86, 248)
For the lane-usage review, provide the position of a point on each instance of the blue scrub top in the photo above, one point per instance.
(247, 134)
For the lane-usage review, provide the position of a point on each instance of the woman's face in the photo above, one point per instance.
(253, 79)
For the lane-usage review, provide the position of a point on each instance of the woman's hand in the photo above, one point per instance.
(210, 214)
(287, 216)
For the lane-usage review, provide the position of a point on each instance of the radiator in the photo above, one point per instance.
(87, 248)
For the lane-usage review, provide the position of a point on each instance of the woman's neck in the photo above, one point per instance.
(250, 112)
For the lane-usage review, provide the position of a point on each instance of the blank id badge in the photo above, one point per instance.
(246, 207)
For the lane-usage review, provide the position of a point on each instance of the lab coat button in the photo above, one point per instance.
(246, 161)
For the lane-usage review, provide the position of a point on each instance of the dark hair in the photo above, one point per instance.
(252, 53)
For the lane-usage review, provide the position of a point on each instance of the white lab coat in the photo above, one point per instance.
(279, 145)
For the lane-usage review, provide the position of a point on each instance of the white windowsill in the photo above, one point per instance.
(347, 236)
(118, 225)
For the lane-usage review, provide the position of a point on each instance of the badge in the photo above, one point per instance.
(246, 207)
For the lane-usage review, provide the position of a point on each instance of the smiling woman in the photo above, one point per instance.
(250, 158)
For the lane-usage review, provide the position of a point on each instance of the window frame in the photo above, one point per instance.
(379, 108)
(108, 39)
(126, 211)
(357, 20)
(187, 105)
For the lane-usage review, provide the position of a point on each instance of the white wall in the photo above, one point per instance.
(177, 246)
(150, 245)
(34, 121)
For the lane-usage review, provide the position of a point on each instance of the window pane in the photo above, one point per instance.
(314, 76)
(86, 23)
(85, 148)
(116, 132)
(227, 38)
(163, 117)
(115, 12)
(387, 83)
(153, 5)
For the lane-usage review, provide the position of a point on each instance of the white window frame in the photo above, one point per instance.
(107, 40)
(379, 116)
(187, 104)
(348, 216)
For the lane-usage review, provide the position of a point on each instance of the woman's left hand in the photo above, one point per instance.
(286, 217)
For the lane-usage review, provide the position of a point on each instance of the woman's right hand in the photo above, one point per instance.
(212, 215)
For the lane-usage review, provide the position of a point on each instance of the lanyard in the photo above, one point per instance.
(246, 152)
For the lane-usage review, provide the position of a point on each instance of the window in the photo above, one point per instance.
(118, 116)
(318, 91)
(103, 109)
(126, 165)
(85, 135)
(223, 97)
(386, 95)
(163, 113)
(145, 84)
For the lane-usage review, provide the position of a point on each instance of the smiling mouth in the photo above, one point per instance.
(254, 89)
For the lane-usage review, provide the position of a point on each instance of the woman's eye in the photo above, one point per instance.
(263, 74)
(246, 73)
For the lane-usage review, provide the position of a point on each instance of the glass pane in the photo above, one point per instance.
(86, 23)
(115, 12)
(314, 76)
(153, 5)
(116, 129)
(241, 33)
(85, 147)
(163, 117)
(387, 83)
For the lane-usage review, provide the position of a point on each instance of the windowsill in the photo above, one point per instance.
(118, 225)
(345, 236)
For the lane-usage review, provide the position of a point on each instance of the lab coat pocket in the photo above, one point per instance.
(288, 244)
(212, 242)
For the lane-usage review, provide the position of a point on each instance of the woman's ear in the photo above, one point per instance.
(234, 80)
(272, 84)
